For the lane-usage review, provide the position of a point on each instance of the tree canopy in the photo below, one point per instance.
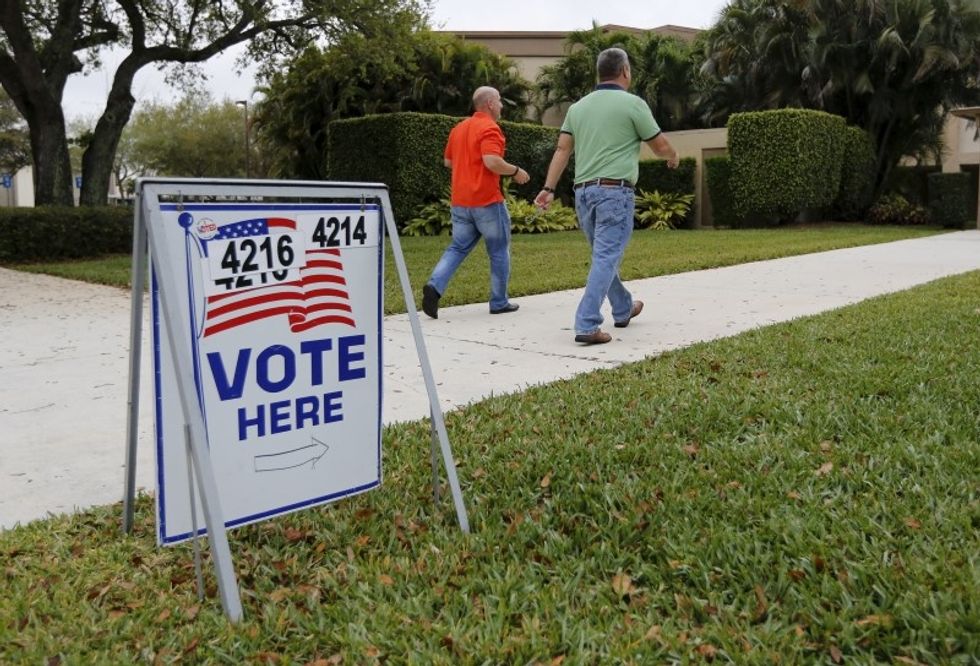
(194, 137)
(42, 43)
(412, 71)
(893, 68)
(664, 73)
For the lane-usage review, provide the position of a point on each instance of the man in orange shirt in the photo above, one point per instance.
(475, 153)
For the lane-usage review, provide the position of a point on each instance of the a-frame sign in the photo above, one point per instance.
(267, 315)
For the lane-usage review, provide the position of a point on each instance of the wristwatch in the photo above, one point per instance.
(549, 190)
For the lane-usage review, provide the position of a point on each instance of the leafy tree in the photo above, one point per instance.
(663, 73)
(194, 137)
(15, 146)
(42, 43)
(891, 67)
(574, 75)
(907, 64)
(753, 58)
(413, 71)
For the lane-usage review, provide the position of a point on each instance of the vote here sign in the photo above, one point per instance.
(281, 316)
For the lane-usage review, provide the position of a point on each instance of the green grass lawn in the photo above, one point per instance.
(551, 262)
(803, 493)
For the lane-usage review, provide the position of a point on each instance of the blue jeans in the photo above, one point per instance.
(605, 215)
(469, 224)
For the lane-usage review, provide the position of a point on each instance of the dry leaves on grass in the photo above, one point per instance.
(825, 469)
(622, 585)
(761, 605)
(876, 620)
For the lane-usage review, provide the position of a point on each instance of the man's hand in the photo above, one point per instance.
(521, 176)
(544, 199)
(673, 161)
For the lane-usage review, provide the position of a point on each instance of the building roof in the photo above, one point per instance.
(968, 112)
(551, 43)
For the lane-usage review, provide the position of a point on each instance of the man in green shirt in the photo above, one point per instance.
(605, 129)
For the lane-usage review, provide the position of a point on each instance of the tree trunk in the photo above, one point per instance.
(101, 152)
(35, 77)
(52, 165)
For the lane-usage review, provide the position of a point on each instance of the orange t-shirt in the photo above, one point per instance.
(473, 183)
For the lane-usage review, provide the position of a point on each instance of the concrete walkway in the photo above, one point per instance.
(63, 366)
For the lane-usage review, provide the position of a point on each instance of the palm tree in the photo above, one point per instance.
(891, 67)
(574, 76)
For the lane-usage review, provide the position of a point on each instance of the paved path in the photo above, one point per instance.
(64, 364)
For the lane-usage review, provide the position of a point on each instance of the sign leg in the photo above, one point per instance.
(435, 409)
(135, 350)
(433, 455)
(194, 540)
(197, 433)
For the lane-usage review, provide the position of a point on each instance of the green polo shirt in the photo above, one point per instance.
(608, 126)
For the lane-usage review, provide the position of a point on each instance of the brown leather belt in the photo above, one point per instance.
(604, 182)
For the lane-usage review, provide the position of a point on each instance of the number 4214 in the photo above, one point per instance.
(336, 232)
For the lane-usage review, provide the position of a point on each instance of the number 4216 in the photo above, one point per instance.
(336, 232)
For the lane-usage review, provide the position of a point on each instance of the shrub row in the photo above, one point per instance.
(405, 151)
(719, 174)
(857, 174)
(949, 200)
(786, 162)
(50, 232)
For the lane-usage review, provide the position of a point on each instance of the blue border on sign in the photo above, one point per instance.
(158, 404)
(163, 537)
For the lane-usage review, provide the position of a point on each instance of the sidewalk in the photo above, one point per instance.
(63, 369)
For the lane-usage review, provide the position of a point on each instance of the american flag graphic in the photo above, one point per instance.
(318, 297)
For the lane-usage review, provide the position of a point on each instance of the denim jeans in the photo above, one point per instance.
(605, 215)
(469, 224)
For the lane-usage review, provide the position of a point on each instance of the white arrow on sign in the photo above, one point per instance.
(275, 462)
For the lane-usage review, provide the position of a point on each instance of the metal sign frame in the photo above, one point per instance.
(148, 243)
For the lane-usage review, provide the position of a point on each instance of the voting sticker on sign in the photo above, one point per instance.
(282, 317)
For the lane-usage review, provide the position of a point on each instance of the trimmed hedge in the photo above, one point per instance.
(912, 182)
(857, 174)
(719, 189)
(531, 147)
(402, 150)
(784, 161)
(949, 200)
(57, 232)
(405, 151)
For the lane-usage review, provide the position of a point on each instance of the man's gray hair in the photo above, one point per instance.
(482, 96)
(611, 62)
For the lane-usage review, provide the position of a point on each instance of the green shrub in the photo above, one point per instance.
(896, 209)
(949, 199)
(857, 175)
(56, 232)
(912, 182)
(784, 162)
(661, 210)
(531, 148)
(434, 219)
(402, 150)
(719, 189)
(526, 218)
(405, 152)
(654, 175)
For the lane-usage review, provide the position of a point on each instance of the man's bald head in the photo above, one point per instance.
(487, 99)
